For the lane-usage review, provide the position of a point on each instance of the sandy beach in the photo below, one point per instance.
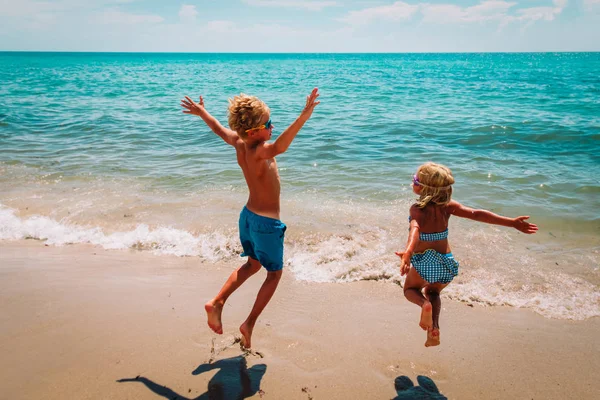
(77, 319)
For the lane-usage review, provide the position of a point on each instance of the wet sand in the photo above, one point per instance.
(77, 319)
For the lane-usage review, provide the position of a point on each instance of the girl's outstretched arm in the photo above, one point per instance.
(519, 223)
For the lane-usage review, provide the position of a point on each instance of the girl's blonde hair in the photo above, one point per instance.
(436, 182)
(245, 112)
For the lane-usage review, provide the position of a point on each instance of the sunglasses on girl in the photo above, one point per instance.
(416, 180)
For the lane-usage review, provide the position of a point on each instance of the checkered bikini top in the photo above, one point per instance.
(431, 237)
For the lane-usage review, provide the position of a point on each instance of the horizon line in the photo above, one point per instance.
(318, 52)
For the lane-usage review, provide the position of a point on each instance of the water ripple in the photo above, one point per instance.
(515, 128)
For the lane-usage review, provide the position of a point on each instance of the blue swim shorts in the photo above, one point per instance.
(262, 239)
(435, 267)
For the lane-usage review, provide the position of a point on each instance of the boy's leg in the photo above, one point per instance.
(412, 291)
(215, 306)
(262, 299)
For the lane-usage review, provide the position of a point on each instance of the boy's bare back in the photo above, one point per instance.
(262, 178)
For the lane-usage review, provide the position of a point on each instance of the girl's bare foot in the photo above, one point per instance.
(433, 337)
(246, 331)
(426, 316)
(213, 313)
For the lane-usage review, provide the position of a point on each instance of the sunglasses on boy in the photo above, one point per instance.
(267, 125)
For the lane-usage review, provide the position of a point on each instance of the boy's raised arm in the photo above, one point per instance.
(191, 107)
(284, 140)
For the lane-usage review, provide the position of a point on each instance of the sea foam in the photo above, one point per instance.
(366, 253)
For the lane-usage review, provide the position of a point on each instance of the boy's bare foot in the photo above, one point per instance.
(246, 331)
(213, 313)
(433, 337)
(426, 316)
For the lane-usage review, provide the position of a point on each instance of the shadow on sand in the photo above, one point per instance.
(234, 381)
(427, 390)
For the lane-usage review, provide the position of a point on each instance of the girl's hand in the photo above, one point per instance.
(520, 224)
(191, 107)
(404, 262)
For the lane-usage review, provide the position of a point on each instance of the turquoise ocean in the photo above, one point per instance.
(95, 149)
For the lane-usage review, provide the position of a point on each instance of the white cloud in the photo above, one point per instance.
(29, 8)
(448, 13)
(538, 13)
(260, 32)
(81, 25)
(40, 14)
(224, 35)
(12, 8)
(306, 4)
(123, 18)
(48, 12)
(221, 26)
(394, 12)
(592, 6)
(532, 14)
(188, 13)
(504, 12)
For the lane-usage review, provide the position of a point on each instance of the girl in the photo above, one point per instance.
(433, 266)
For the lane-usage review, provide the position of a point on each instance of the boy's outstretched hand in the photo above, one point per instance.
(520, 224)
(191, 107)
(311, 103)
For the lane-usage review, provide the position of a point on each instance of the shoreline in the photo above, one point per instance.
(552, 272)
(78, 318)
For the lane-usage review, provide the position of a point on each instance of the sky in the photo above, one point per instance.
(292, 26)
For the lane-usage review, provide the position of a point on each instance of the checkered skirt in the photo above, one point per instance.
(435, 267)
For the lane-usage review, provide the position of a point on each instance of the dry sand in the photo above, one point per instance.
(74, 320)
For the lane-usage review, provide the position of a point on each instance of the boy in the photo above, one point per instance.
(261, 231)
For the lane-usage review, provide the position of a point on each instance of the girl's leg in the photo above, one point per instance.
(412, 291)
(433, 293)
(262, 299)
(215, 306)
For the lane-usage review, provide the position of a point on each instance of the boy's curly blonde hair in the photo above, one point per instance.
(436, 182)
(245, 112)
